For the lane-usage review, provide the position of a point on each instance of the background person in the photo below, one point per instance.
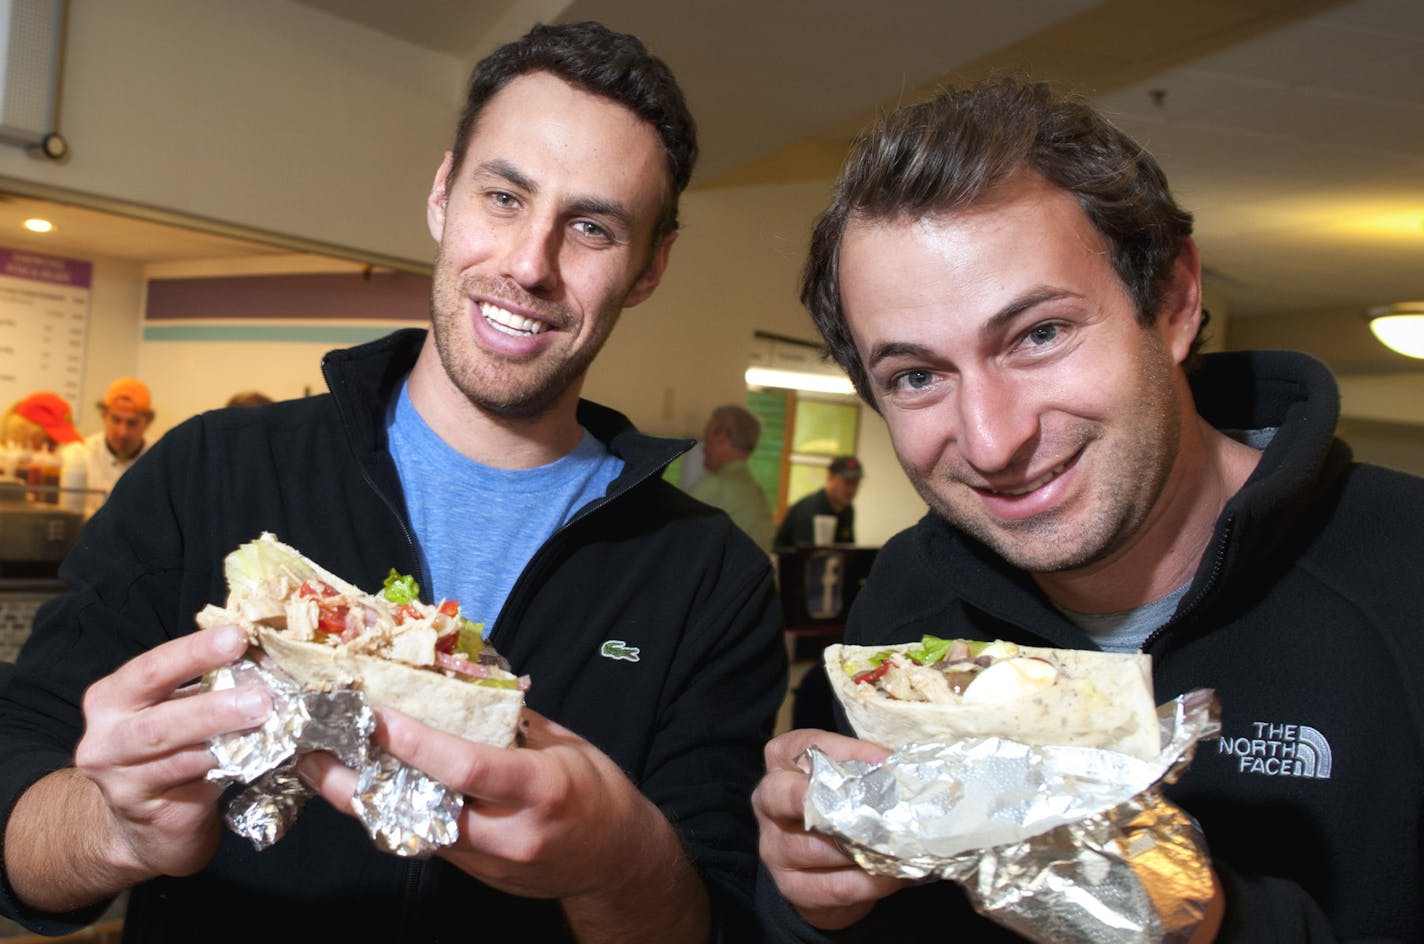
(1009, 282)
(42, 420)
(729, 439)
(248, 398)
(40, 445)
(127, 411)
(842, 482)
(463, 456)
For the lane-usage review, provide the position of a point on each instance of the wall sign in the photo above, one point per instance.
(44, 318)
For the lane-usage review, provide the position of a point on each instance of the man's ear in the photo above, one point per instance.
(435, 202)
(1180, 317)
(653, 274)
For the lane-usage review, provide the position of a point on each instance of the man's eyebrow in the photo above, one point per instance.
(611, 210)
(895, 349)
(994, 325)
(502, 168)
(1030, 299)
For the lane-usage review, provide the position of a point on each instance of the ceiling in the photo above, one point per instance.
(1293, 129)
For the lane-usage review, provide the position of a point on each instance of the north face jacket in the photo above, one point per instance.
(1304, 619)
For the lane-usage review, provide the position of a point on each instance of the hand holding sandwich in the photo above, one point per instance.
(828, 889)
(136, 804)
(553, 818)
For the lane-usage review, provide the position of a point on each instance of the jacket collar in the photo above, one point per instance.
(1289, 394)
(364, 379)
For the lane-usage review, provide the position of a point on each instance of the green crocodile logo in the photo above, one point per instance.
(618, 649)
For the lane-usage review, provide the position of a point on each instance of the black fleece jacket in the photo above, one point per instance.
(1312, 799)
(645, 564)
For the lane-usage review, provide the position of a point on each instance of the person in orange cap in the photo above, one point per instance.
(127, 411)
(39, 420)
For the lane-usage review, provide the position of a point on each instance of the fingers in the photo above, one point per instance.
(811, 871)
(154, 676)
(333, 780)
(782, 753)
(494, 774)
(126, 738)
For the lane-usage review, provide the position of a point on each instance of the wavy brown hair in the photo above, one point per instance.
(952, 151)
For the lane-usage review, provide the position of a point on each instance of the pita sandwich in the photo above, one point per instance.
(946, 690)
(424, 660)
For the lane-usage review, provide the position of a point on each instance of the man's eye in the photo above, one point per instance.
(1042, 334)
(501, 199)
(916, 379)
(591, 230)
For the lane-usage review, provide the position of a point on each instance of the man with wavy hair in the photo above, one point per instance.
(1009, 282)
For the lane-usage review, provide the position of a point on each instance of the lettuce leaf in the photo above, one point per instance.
(401, 588)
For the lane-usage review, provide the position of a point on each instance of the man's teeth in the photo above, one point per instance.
(1039, 482)
(509, 322)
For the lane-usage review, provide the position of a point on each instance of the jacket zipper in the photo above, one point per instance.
(515, 592)
(1228, 525)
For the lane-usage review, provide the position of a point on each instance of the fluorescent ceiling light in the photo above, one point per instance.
(1400, 327)
(799, 380)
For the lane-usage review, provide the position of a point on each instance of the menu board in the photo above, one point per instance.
(44, 314)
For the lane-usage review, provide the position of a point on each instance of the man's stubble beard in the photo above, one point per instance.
(506, 388)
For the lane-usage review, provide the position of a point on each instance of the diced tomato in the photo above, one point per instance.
(405, 612)
(450, 607)
(331, 620)
(447, 642)
(316, 588)
(870, 675)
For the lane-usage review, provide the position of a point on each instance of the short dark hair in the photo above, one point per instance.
(591, 57)
(952, 151)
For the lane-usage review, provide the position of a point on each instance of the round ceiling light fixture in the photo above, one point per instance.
(1399, 327)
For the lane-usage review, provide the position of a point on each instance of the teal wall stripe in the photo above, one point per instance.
(324, 334)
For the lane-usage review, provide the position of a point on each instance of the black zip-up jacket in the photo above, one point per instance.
(667, 576)
(1300, 616)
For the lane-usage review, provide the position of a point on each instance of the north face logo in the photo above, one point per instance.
(1280, 750)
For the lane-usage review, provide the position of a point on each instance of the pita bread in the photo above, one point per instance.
(486, 714)
(481, 713)
(1090, 699)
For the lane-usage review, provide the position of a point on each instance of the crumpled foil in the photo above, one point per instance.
(404, 811)
(1055, 843)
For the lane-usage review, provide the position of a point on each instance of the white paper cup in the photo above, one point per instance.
(823, 527)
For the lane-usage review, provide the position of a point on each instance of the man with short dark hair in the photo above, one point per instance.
(798, 527)
(463, 456)
(1010, 284)
(727, 442)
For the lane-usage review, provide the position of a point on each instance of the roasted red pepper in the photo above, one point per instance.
(871, 675)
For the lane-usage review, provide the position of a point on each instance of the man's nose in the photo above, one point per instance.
(531, 257)
(997, 419)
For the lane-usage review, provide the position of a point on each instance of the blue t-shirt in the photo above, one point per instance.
(476, 527)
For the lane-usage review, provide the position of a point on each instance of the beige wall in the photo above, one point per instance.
(111, 344)
(262, 113)
(270, 115)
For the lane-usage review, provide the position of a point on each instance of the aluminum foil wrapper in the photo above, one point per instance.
(404, 811)
(1055, 843)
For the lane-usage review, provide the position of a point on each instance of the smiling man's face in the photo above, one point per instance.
(1026, 401)
(545, 236)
